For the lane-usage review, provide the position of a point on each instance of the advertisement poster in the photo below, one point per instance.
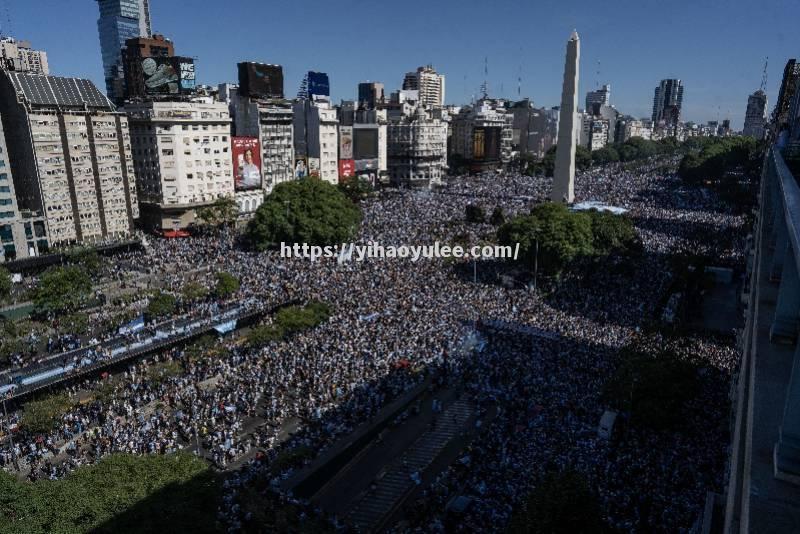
(318, 85)
(246, 163)
(300, 168)
(345, 142)
(347, 167)
(313, 167)
(168, 75)
(260, 80)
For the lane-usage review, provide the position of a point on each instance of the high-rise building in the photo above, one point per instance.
(19, 56)
(119, 21)
(601, 97)
(564, 173)
(429, 83)
(417, 150)
(667, 102)
(755, 118)
(370, 94)
(70, 156)
(136, 50)
(483, 134)
(316, 138)
(182, 157)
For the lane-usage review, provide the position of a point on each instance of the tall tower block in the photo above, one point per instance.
(564, 175)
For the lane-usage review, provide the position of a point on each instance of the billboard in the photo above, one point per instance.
(318, 85)
(313, 167)
(246, 163)
(366, 164)
(347, 167)
(486, 142)
(365, 143)
(300, 167)
(346, 142)
(260, 80)
(168, 75)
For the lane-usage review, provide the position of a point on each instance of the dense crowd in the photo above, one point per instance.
(396, 322)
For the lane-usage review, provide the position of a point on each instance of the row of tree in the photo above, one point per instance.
(635, 148)
(711, 158)
(556, 238)
(288, 321)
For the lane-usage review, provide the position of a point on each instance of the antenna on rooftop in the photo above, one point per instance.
(597, 79)
(764, 76)
(302, 93)
(485, 85)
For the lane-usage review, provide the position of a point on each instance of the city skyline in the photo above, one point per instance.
(634, 56)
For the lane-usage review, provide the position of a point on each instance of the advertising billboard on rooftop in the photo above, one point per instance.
(318, 85)
(260, 80)
(168, 75)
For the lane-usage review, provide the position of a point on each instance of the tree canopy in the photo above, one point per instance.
(5, 283)
(304, 211)
(717, 156)
(62, 289)
(564, 236)
(355, 188)
(224, 210)
(474, 214)
(161, 304)
(122, 493)
(227, 285)
(561, 503)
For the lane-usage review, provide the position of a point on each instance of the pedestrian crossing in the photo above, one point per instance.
(395, 481)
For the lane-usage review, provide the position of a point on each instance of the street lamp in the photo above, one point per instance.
(535, 263)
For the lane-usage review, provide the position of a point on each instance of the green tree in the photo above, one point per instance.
(498, 216)
(41, 416)
(121, 494)
(583, 158)
(304, 211)
(227, 285)
(607, 154)
(562, 236)
(263, 334)
(355, 188)
(161, 304)
(561, 503)
(223, 211)
(656, 388)
(86, 257)
(474, 214)
(193, 291)
(5, 283)
(62, 289)
(612, 233)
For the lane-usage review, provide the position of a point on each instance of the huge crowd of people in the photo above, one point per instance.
(395, 322)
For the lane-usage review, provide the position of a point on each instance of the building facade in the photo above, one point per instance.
(667, 102)
(370, 95)
(70, 158)
(119, 21)
(755, 117)
(20, 57)
(417, 150)
(482, 135)
(600, 97)
(316, 137)
(182, 159)
(135, 51)
(429, 83)
(272, 122)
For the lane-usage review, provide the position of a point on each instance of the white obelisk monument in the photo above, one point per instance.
(564, 174)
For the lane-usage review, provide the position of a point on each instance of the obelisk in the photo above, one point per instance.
(564, 174)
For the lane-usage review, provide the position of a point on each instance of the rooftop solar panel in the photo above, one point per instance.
(42, 90)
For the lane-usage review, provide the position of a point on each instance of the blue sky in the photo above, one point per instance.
(717, 47)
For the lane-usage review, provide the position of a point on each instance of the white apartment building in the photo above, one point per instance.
(182, 157)
(417, 150)
(70, 156)
(20, 57)
(316, 136)
(429, 83)
(272, 121)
